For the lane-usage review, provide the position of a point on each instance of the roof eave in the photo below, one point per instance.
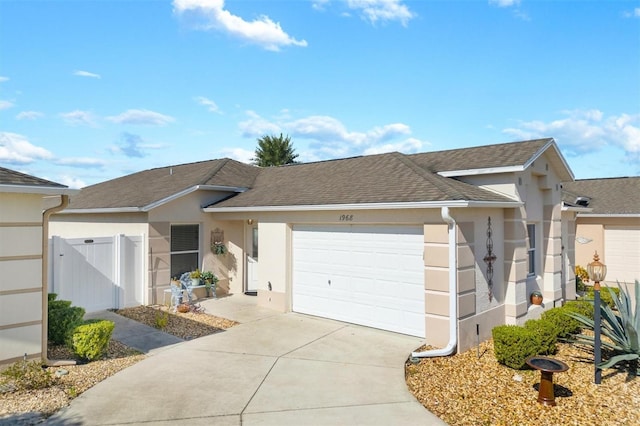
(103, 210)
(189, 191)
(369, 206)
(614, 215)
(513, 168)
(36, 189)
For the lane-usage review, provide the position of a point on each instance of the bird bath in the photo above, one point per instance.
(547, 367)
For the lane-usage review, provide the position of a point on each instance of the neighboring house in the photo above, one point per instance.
(23, 229)
(380, 240)
(609, 224)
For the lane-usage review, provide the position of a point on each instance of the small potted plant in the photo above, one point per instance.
(536, 297)
(210, 281)
(195, 277)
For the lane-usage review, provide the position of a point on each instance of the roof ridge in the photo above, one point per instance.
(215, 170)
(431, 177)
(486, 146)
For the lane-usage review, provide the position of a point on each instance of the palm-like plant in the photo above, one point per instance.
(622, 329)
(274, 151)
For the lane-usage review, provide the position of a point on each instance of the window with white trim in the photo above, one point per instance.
(185, 249)
(531, 233)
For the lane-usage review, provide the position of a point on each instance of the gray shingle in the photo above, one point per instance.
(149, 186)
(608, 196)
(12, 177)
(480, 157)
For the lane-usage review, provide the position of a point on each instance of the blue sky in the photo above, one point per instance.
(93, 90)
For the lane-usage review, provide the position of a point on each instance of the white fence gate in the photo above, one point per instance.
(98, 273)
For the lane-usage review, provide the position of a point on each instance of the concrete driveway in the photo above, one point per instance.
(273, 369)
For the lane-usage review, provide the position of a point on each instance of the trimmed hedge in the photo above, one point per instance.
(90, 339)
(547, 334)
(565, 325)
(582, 307)
(605, 296)
(62, 319)
(512, 345)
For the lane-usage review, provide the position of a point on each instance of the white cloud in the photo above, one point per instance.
(80, 162)
(5, 105)
(79, 118)
(382, 10)
(239, 154)
(16, 149)
(261, 31)
(257, 126)
(3, 79)
(408, 146)
(635, 13)
(583, 131)
(81, 73)
(71, 182)
(328, 137)
(373, 11)
(29, 115)
(141, 117)
(211, 106)
(505, 3)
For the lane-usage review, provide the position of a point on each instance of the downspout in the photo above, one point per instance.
(453, 293)
(64, 202)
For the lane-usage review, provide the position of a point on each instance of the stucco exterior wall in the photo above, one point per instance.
(20, 276)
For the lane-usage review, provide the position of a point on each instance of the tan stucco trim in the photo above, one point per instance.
(25, 257)
(19, 224)
(19, 325)
(19, 291)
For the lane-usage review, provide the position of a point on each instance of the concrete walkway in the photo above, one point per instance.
(273, 369)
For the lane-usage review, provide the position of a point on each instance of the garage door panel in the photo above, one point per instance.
(376, 273)
(622, 253)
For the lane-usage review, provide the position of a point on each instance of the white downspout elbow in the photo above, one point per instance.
(453, 293)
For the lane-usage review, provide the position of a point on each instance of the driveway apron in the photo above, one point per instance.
(273, 369)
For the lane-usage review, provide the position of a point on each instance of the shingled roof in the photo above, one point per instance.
(21, 181)
(610, 196)
(481, 157)
(383, 178)
(149, 187)
(374, 179)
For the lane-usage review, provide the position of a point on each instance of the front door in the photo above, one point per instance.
(251, 287)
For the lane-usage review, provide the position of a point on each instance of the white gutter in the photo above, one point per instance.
(35, 189)
(453, 293)
(369, 206)
(612, 215)
(64, 202)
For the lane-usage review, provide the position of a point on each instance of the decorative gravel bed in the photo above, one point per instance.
(30, 407)
(466, 390)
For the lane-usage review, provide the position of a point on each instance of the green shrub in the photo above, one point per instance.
(51, 297)
(605, 295)
(622, 328)
(512, 345)
(565, 325)
(546, 332)
(63, 318)
(582, 307)
(90, 339)
(26, 375)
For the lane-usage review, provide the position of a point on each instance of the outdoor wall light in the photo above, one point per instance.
(249, 221)
(597, 271)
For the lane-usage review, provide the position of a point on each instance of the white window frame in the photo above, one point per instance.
(532, 243)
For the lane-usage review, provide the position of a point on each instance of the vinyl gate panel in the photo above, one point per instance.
(98, 273)
(368, 275)
(84, 272)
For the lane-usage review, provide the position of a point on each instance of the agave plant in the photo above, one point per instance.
(622, 328)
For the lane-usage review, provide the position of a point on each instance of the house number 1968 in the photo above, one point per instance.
(346, 217)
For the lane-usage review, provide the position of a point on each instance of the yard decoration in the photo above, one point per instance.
(536, 297)
(622, 329)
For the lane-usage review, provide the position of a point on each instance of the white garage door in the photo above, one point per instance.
(622, 253)
(368, 275)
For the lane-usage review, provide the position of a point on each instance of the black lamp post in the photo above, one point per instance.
(597, 271)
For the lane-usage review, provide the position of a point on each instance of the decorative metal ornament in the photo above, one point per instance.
(489, 258)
